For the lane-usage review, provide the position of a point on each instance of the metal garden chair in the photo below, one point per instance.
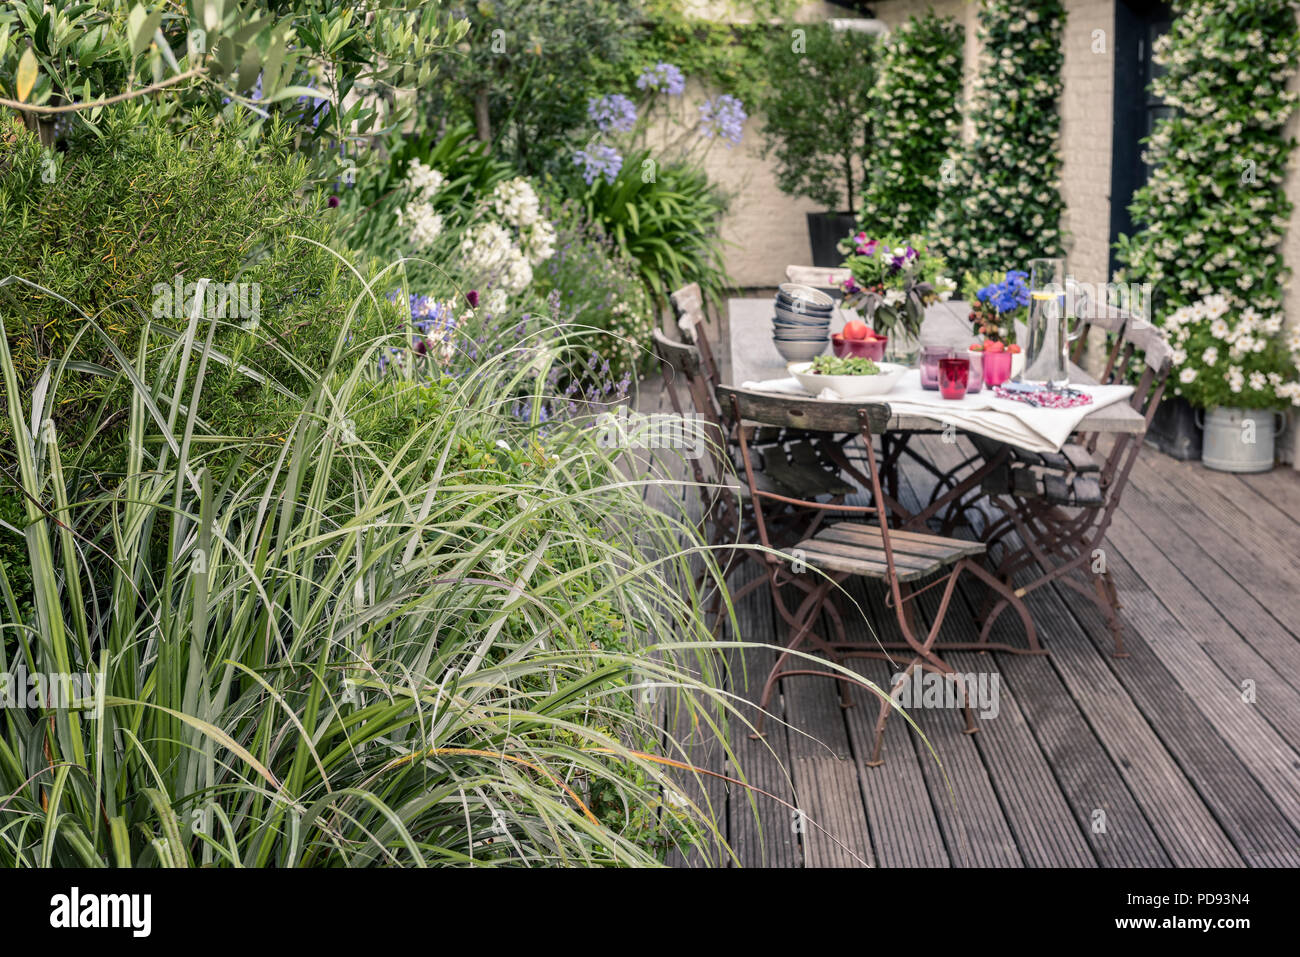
(1061, 505)
(837, 551)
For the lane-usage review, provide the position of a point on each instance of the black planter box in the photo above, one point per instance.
(825, 230)
(1174, 430)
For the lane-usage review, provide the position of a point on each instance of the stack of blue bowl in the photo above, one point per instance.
(802, 322)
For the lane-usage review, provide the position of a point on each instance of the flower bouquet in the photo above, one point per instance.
(997, 303)
(892, 281)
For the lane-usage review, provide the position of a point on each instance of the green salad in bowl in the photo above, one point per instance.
(849, 365)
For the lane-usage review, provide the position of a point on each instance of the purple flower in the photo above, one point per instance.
(599, 160)
(614, 111)
(472, 298)
(662, 77)
(723, 116)
(333, 202)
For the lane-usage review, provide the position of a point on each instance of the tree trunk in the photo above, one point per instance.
(482, 120)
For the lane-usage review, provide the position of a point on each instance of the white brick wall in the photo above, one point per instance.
(1086, 108)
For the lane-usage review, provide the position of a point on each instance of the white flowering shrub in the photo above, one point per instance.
(1213, 212)
(419, 217)
(918, 102)
(1230, 356)
(999, 197)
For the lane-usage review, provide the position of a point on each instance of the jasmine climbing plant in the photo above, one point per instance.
(1212, 215)
(999, 196)
(917, 103)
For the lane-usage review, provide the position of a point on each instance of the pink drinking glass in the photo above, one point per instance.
(976, 372)
(930, 356)
(953, 374)
(997, 368)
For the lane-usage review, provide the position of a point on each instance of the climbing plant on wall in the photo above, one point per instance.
(1212, 214)
(999, 196)
(918, 105)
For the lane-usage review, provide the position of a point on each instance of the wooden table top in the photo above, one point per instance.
(754, 358)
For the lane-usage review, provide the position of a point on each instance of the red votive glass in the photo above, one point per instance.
(953, 375)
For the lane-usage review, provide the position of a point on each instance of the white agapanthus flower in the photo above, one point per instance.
(496, 301)
(486, 247)
(516, 202)
(425, 224)
(424, 180)
(538, 242)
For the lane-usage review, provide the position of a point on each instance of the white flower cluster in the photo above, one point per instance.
(1201, 331)
(423, 180)
(424, 223)
(515, 202)
(489, 249)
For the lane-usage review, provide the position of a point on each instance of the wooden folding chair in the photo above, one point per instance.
(842, 549)
(1061, 505)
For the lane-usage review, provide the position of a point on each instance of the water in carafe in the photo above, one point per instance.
(1048, 334)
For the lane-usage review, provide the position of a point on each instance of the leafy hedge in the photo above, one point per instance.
(918, 104)
(1213, 213)
(1000, 202)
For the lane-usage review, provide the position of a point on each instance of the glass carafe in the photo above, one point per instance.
(1054, 300)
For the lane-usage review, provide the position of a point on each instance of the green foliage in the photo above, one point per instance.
(598, 288)
(999, 202)
(527, 68)
(917, 103)
(728, 56)
(665, 218)
(415, 637)
(820, 119)
(85, 52)
(1212, 215)
(127, 212)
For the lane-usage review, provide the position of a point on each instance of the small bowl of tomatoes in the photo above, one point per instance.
(859, 341)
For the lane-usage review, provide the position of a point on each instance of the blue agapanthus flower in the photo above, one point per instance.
(599, 160)
(723, 116)
(614, 111)
(1008, 295)
(662, 77)
(429, 315)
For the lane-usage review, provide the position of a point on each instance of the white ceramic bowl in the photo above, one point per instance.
(848, 386)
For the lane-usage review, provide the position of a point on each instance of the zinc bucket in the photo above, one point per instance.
(1239, 440)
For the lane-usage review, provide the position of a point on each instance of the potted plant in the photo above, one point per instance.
(892, 281)
(819, 125)
(1234, 364)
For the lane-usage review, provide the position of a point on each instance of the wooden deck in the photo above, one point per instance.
(1185, 754)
